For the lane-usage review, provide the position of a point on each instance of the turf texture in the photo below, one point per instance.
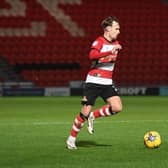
(33, 131)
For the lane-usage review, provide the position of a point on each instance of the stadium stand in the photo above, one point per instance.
(59, 33)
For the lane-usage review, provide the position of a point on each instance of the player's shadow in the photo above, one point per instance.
(91, 144)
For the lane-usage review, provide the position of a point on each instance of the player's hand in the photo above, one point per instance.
(116, 49)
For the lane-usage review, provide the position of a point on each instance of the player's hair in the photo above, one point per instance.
(108, 21)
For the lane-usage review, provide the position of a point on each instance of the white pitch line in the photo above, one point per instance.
(96, 122)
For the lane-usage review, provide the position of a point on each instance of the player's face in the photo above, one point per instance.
(114, 30)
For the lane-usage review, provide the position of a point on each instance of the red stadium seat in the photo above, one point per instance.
(143, 36)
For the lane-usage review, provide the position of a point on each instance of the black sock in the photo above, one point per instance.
(83, 116)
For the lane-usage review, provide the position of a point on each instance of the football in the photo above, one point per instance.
(152, 139)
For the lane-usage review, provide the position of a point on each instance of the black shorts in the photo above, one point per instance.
(92, 91)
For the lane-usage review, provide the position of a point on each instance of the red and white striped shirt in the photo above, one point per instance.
(102, 70)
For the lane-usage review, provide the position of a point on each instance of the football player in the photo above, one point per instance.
(99, 80)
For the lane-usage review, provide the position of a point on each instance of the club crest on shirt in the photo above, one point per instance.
(94, 43)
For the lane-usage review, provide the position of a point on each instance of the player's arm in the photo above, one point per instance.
(103, 56)
(96, 47)
(96, 54)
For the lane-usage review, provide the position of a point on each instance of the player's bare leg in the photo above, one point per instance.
(115, 104)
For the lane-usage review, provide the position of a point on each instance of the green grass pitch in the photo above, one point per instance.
(33, 131)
